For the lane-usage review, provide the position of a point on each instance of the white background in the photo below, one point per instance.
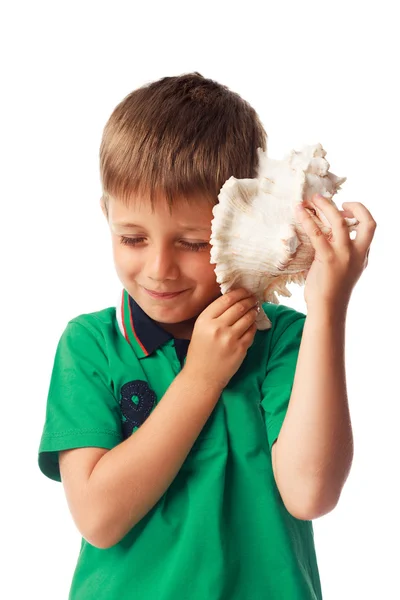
(315, 72)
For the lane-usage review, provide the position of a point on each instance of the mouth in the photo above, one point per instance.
(163, 295)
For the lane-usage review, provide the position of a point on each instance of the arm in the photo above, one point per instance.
(129, 480)
(314, 451)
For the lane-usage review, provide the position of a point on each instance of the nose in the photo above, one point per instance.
(161, 264)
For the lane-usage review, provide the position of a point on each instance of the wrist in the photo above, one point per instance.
(336, 309)
(195, 378)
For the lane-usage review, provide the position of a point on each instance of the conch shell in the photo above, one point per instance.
(257, 242)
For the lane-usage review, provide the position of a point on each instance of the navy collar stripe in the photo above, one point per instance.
(142, 332)
(130, 308)
(126, 324)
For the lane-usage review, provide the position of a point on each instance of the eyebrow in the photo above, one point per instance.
(185, 227)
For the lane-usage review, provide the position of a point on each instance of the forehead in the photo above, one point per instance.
(195, 214)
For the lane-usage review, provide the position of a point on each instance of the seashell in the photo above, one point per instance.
(257, 242)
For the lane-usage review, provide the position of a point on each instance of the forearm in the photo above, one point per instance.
(315, 446)
(129, 479)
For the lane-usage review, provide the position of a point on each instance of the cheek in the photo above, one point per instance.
(201, 269)
(124, 259)
(204, 275)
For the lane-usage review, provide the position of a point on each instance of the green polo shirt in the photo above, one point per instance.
(221, 530)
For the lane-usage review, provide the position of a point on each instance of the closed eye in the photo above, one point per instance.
(195, 246)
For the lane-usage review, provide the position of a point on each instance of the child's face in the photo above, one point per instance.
(161, 260)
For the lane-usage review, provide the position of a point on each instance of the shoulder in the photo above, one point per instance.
(281, 317)
(282, 342)
(90, 330)
(98, 319)
(285, 333)
(98, 323)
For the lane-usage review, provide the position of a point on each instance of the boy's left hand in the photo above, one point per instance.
(339, 260)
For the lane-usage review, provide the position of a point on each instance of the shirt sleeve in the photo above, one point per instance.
(81, 407)
(281, 368)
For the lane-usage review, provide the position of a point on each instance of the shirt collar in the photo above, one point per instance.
(142, 332)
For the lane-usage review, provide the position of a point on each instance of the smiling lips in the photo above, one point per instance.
(163, 295)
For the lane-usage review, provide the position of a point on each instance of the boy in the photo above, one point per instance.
(163, 414)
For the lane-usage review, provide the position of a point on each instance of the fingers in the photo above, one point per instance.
(340, 230)
(241, 314)
(226, 301)
(366, 227)
(318, 240)
(346, 213)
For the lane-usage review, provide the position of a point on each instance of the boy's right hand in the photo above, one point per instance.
(221, 336)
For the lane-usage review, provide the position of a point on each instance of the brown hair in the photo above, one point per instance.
(178, 136)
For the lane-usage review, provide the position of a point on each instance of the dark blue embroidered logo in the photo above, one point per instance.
(136, 402)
